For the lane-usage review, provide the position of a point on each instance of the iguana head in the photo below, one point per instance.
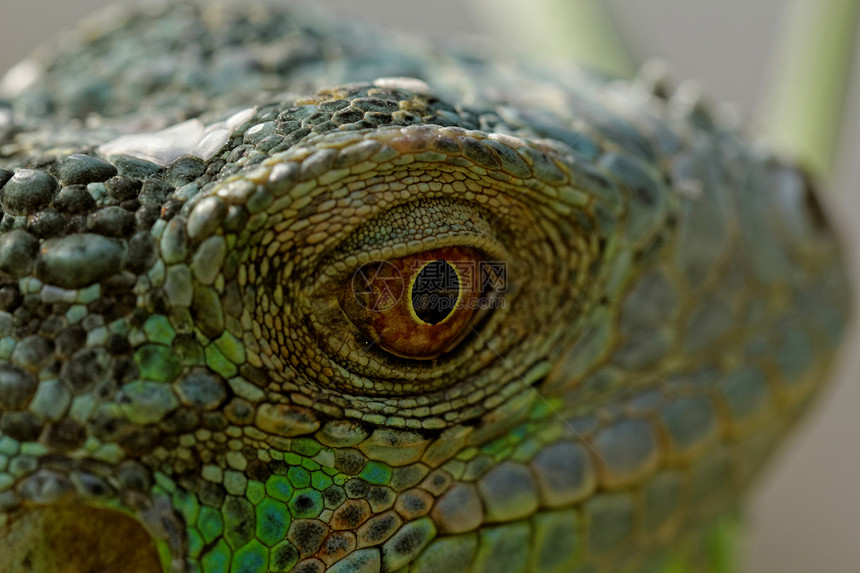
(267, 306)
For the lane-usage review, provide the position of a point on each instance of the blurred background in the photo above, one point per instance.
(804, 514)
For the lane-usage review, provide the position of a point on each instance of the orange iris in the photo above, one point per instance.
(418, 306)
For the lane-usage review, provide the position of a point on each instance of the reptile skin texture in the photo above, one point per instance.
(216, 224)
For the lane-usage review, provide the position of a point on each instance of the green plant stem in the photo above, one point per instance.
(803, 105)
(581, 31)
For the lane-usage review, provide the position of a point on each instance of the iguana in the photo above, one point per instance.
(280, 293)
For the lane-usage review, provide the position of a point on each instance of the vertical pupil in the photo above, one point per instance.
(435, 292)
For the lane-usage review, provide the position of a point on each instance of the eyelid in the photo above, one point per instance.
(438, 223)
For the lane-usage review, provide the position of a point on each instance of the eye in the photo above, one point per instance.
(420, 306)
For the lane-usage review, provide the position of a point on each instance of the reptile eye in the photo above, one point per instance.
(419, 306)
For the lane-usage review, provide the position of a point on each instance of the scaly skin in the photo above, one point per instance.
(185, 384)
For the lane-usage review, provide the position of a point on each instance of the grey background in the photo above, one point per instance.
(804, 515)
